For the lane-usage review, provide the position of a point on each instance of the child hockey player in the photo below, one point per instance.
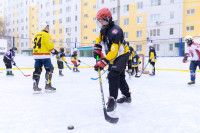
(74, 58)
(193, 50)
(8, 59)
(136, 61)
(130, 62)
(60, 58)
(152, 58)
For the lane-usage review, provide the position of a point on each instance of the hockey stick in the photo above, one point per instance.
(142, 71)
(86, 64)
(101, 75)
(106, 116)
(23, 73)
(68, 66)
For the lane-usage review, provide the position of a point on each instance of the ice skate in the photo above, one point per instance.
(191, 82)
(136, 75)
(36, 89)
(60, 73)
(152, 74)
(49, 88)
(111, 105)
(124, 99)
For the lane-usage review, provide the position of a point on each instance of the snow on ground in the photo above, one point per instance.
(161, 104)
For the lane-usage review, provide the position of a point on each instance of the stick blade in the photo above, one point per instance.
(137, 76)
(110, 119)
(27, 75)
(94, 78)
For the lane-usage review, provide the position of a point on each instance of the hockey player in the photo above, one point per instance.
(60, 58)
(136, 61)
(193, 50)
(74, 58)
(43, 46)
(152, 58)
(113, 38)
(8, 59)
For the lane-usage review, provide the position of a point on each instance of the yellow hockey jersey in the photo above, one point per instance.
(43, 45)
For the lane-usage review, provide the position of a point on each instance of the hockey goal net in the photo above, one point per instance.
(143, 63)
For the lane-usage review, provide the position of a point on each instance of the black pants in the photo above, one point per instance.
(135, 68)
(116, 77)
(153, 67)
(60, 64)
(7, 62)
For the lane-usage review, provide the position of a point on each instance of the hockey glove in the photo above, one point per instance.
(79, 61)
(97, 50)
(101, 64)
(14, 63)
(54, 51)
(185, 59)
(139, 62)
(149, 60)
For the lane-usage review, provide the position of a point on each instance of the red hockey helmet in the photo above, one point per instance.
(104, 13)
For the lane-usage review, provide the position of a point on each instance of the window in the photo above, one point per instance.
(94, 18)
(68, 19)
(102, 1)
(68, 30)
(93, 30)
(139, 20)
(54, 22)
(113, 10)
(60, 2)
(157, 47)
(155, 32)
(60, 31)
(190, 12)
(54, 31)
(155, 2)
(85, 4)
(155, 17)
(171, 15)
(47, 13)
(140, 5)
(190, 28)
(68, 9)
(171, 1)
(126, 8)
(60, 42)
(170, 47)
(76, 7)
(85, 15)
(85, 26)
(138, 48)
(85, 37)
(76, 39)
(138, 34)
(94, 7)
(75, 28)
(126, 21)
(126, 35)
(60, 21)
(61, 11)
(76, 18)
(171, 31)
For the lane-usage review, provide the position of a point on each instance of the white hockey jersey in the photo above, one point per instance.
(193, 50)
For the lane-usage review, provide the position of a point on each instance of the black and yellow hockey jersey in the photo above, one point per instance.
(113, 39)
(136, 60)
(74, 57)
(60, 56)
(152, 54)
(43, 44)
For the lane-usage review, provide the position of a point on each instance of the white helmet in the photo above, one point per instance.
(150, 44)
(75, 49)
(43, 25)
(188, 38)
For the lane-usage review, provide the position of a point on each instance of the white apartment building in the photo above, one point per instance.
(164, 24)
(16, 23)
(65, 16)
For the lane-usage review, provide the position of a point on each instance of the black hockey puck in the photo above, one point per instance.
(70, 127)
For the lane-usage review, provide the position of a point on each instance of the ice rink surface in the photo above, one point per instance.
(160, 104)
